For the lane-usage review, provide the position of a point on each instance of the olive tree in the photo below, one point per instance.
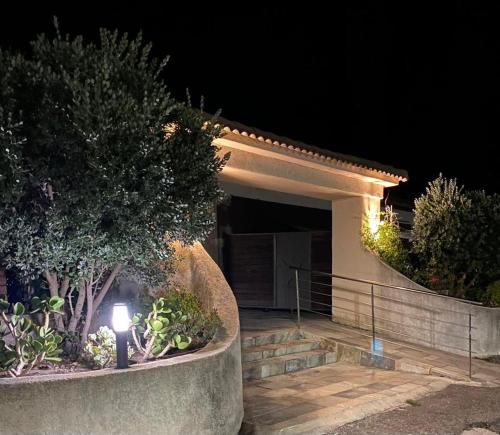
(99, 168)
(456, 237)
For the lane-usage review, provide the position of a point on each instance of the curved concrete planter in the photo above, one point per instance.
(199, 393)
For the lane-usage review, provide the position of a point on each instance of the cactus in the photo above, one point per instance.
(160, 331)
(24, 345)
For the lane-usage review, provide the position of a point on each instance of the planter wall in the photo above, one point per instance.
(199, 393)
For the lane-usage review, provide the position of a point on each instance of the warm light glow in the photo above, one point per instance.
(121, 321)
(373, 222)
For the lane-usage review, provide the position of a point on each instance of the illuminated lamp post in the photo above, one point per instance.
(121, 323)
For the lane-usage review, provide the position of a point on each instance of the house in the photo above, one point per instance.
(292, 204)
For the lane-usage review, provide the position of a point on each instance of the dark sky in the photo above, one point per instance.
(415, 88)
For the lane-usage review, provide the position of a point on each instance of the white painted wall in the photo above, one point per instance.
(426, 319)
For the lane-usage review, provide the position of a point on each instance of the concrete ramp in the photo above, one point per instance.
(354, 346)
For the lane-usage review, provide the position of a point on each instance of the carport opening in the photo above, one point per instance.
(260, 240)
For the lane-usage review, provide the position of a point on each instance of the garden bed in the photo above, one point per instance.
(166, 393)
(67, 366)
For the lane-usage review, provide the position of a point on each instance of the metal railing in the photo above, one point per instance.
(381, 325)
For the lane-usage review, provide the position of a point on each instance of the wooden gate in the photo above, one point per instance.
(257, 267)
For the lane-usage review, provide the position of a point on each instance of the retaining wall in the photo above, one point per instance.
(199, 393)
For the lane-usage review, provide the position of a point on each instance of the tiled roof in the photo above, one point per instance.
(310, 150)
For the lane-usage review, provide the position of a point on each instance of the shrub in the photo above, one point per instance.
(199, 325)
(386, 241)
(456, 238)
(99, 165)
(160, 331)
(24, 345)
(492, 295)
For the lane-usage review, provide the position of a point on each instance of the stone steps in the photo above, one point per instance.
(279, 352)
(287, 363)
(255, 339)
(278, 349)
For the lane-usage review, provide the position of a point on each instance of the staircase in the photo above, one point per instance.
(279, 352)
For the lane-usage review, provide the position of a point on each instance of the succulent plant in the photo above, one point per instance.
(100, 348)
(23, 344)
(160, 331)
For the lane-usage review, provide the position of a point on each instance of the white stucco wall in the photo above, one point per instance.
(426, 319)
(350, 258)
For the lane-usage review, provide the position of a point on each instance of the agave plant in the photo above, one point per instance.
(160, 331)
(23, 344)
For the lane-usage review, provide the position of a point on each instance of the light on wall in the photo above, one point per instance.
(373, 222)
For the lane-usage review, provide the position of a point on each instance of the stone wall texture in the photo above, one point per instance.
(199, 393)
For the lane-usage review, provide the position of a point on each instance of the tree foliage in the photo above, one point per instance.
(99, 167)
(456, 237)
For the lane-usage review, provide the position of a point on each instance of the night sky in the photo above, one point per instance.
(414, 88)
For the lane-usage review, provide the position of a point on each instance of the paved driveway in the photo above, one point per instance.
(448, 412)
(314, 400)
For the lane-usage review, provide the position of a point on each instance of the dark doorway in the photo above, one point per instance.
(260, 240)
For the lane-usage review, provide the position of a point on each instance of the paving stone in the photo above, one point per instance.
(379, 386)
(280, 392)
(281, 415)
(354, 393)
(410, 366)
(292, 365)
(255, 353)
(283, 364)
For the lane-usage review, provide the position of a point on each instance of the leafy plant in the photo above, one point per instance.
(24, 345)
(99, 168)
(492, 295)
(100, 349)
(386, 242)
(160, 331)
(199, 325)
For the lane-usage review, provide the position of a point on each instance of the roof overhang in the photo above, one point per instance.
(257, 141)
(285, 153)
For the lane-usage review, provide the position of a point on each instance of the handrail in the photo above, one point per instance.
(374, 316)
(380, 284)
(383, 297)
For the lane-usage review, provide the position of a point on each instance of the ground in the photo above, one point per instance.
(313, 400)
(449, 411)
(327, 399)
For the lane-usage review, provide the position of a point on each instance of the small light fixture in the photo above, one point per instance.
(373, 222)
(121, 323)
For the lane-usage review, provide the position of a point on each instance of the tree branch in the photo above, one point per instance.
(90, 311)
(164, 351)
(65, 283)
(137, 342)
(54, 291)
(78, 308)
(109, 281)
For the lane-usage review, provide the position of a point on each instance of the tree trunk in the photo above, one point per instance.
(73, 323)
(3, 283)
(54, 291)
(94, 301)
(90, 312)
(107, 285)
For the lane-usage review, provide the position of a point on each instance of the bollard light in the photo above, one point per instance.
(121, 323)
